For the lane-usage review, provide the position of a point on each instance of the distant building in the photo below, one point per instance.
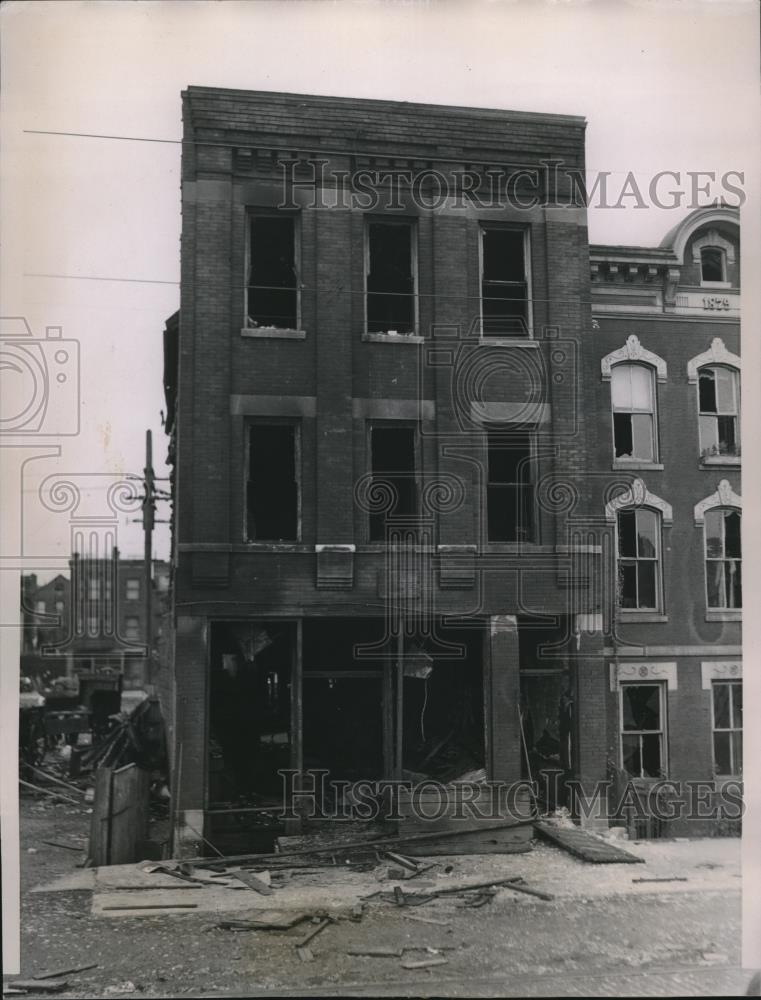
(96, 622)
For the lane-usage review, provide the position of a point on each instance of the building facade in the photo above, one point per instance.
(666, 329)
(448, 501)
(93, 619)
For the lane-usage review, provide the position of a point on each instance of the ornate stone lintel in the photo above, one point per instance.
(724, 496)
(638, 495)
(633, 672)
(335, 567)
(719, 670)
(717, 354)
(633, 351)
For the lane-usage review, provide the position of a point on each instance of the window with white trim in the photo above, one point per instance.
(723, 557)
(639, 559)
(272, 281)
(505, 281)
(643, 729)
(719, 410)
(133, 589)
(727, 724)
(632, 391)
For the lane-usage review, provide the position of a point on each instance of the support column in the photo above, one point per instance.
(190, 736)
(503, 693)
(595, 723)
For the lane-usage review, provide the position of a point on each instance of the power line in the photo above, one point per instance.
(98, 277)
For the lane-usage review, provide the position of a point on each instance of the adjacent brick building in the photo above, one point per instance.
(397, 507)
(77, 622)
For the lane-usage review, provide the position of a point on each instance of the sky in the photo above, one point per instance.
(91, 225)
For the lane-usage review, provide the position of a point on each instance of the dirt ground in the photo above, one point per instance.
(602, 934)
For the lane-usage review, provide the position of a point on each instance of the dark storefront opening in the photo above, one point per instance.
(546, 706)
(249, 710)
(443, 716)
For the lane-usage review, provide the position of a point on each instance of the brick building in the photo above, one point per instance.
(666, 390)
(74, 623)
(384, 561)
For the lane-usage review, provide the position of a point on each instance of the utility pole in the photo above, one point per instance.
(148, 518)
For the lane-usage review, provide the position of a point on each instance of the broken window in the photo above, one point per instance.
(392, 462)
(639, 559)
(719, 409)
(505, 305)
(390, 277)
(642, 730)
(272, 282)
(727, 713)
(272, 512)
(633, 399)
(723, 558)
(509, 489)
(711, 264)
(133, 590)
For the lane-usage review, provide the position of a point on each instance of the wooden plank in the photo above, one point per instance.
(67, 971)
(247, 878)
(100, 824)
(40, 985)
(583, 845)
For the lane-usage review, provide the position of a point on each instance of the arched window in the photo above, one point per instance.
(632, 389)
(723, 557)
(638, 540)
(719, 410)
(712, 264)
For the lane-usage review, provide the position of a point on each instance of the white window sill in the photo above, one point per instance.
(272, 333)
(623, 463)
(709, 460)
(724, 615)
(508, 341)
(634, 617)
(715, 284)
(278, 547)
(392, 338)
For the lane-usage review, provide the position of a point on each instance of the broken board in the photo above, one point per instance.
(583, 845)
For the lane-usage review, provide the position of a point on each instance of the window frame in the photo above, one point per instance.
(128, 634)
(412, 425)
(708, 282)
(731, 729)
(653, 413)
(294, 216)
(662, 731)
(721, 559)
(658, 560)
(704, 454)
(483, 227)
(127, 595)
(296, 424)
(533, 537)
(410, 222)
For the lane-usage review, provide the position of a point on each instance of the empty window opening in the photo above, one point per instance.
(390, 278)
(642, 730)
(510, 497)
(392, 460)
(723, 558)
(272, 278)
(719, 403)
(633, 398)
(504, 283)
(727, 715)
(712, 264)
(272, 488)
(638, 559)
